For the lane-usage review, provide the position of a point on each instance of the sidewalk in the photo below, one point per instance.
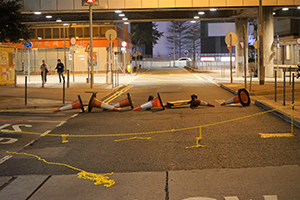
(261, 95)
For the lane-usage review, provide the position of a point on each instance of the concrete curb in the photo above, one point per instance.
(228, 89)
(277, 113)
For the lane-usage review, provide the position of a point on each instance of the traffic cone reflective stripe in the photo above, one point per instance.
(99, 104)
(74, 105)
(152, 103)
(197, 102)
(125, 102)
(242, 97)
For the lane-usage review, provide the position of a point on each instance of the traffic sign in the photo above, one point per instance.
(27, 45)
(298, 41)
(73, 41)
(255, 44)
(186, 52)
(90, 1)
(170, 55)
(135, 53)
(233, 39)
(124, 44)
(111, 34)
(87, 48)
(139, 54)
(242, 44)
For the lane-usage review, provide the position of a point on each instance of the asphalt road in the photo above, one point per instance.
(230, 145)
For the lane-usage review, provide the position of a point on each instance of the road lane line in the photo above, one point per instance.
(209, 79)
(75, 115)
(46, 133)
(61, 123)
(275, 135)
(270, 197)
(198, 77)
(29, 143)
(5, 158)
(5, 125)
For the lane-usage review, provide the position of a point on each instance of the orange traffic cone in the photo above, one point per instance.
(197, 102)
(125, 102)
(152, 103)
(242, 97)
(75, 105)
(99, 104)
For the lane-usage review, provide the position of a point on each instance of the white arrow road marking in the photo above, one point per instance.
(5, 125)
(10, 140)
(17, 126)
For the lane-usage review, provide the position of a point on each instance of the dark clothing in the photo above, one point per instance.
(42, 74)
(60, 67)
(60, 70)
(43, 68)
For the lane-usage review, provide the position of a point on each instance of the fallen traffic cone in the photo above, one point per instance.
(99, 104)
(197, 102)
(242, 97)
(177, 103)
(152, 103)
(125, 102)
(75, 105)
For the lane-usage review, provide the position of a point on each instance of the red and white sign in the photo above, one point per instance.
(73, 41)
(298, 41)
(242, 44)
(94, 56)
(90, 1)
(88, 48)
(124, 44)
(228, 47)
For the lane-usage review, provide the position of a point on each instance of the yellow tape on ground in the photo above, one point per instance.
(133, 138)
(150, 132)
(99, 179)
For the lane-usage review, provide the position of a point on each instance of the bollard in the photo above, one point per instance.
(64, 87)
(275, 85)
(15, 78)
(293, 90)
(290, 75)
(284, 87)
(68, 77)
(25, 90)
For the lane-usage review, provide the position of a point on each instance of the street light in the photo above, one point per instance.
(58, 20)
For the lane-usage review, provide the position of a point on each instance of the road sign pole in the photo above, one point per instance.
(91, 42)
(277, 55)
(28, 68)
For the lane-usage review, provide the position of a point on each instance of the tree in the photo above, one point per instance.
(144, 33)
(11, 27)
(188, 38)
(177, 32)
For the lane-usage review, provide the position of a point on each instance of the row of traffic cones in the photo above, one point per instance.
(242, 97)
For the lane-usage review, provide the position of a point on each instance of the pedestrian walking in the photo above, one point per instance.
(60, 70)
(44, 71)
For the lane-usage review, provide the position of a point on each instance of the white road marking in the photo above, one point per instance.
(231, 198)
(5, 125)
(43, 121)
(45, 133)
(17, 126)
(61, 123)
(29, 143)
(5, 158)
(270, 197)
(210, 80)
(10, 140)
(75, 115)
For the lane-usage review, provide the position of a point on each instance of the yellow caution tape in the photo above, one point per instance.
(99, 179)
(133, 138)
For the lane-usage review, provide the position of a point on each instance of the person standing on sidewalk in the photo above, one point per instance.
(44, 71)
(60, 70)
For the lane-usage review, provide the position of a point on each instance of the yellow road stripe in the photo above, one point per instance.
(117, 94)
(275, 135)
(198, 77)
